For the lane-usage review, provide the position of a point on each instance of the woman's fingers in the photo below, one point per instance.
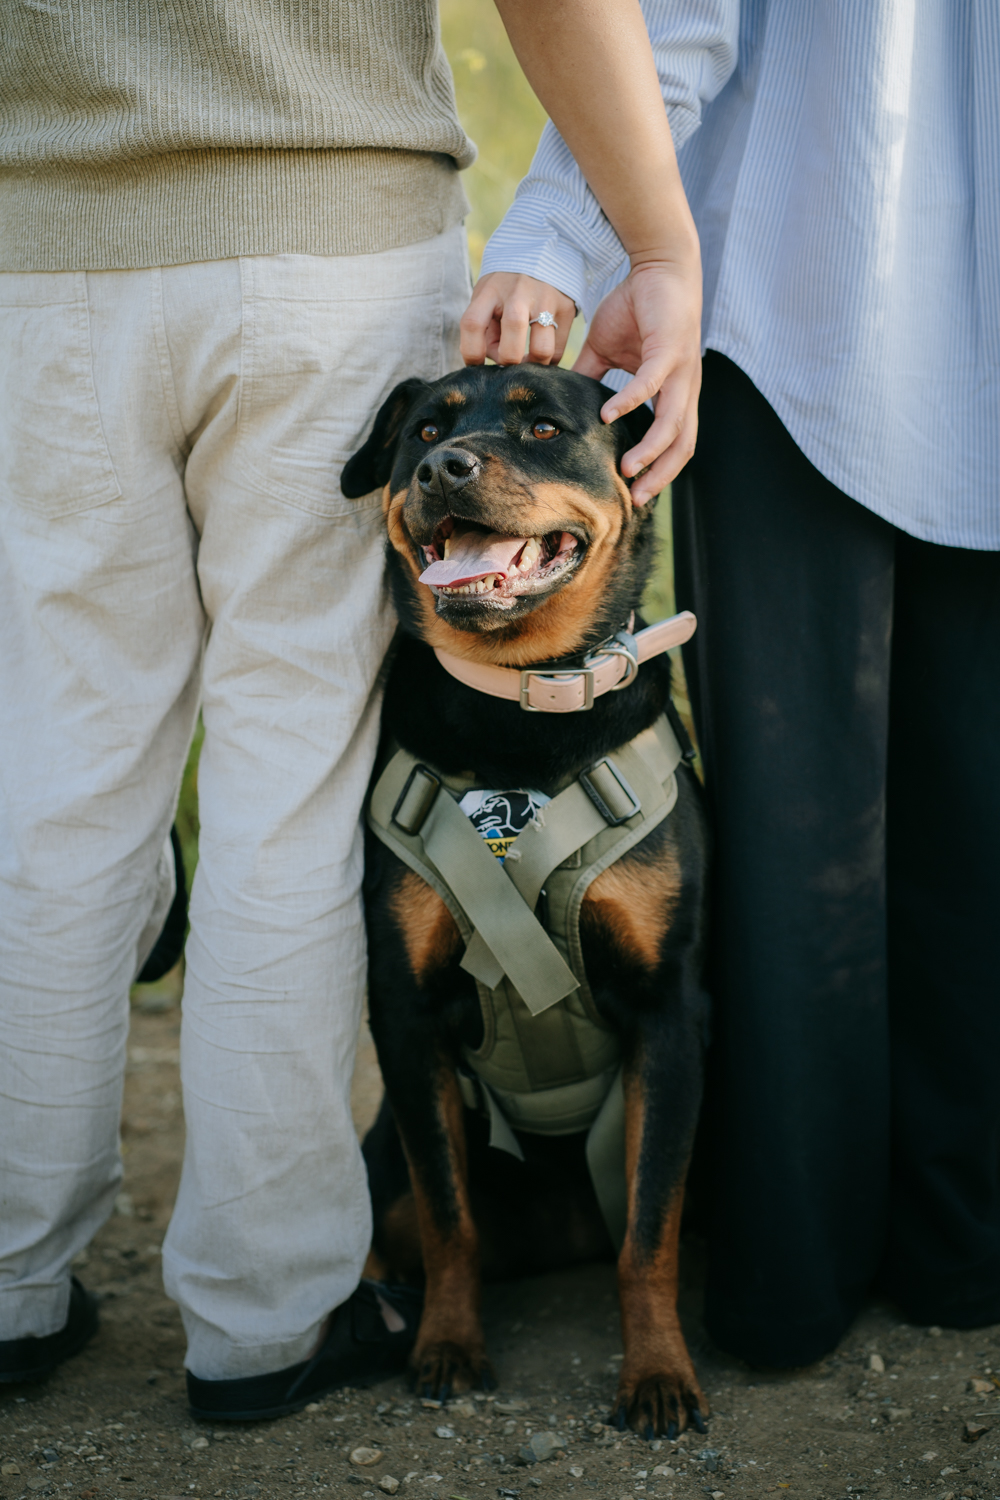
(650, 325)
(480, 323)
(542, 344)
(509, 348)
(500, 321)
(665, 469)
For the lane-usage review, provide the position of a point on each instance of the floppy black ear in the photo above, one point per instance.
(370, 467)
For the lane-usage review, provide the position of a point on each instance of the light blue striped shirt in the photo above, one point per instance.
(842, 160)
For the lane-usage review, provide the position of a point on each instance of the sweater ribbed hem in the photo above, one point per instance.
(211, 205)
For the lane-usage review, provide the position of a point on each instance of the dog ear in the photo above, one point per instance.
(369, 469)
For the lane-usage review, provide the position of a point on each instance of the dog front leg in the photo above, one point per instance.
(658, 1391)
(450, 1353)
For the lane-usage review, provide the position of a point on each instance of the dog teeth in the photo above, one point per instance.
(479, 586)
(447, 548)
(530, 555)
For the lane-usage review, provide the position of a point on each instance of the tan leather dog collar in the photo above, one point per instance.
(549, 690)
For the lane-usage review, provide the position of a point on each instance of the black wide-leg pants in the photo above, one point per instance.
(845, 679)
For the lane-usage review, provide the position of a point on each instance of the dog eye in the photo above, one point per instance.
(428, 433)
(544, 430)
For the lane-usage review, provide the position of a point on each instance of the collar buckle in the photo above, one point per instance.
(549, 674)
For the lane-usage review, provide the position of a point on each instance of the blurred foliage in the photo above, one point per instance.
(504, 118)
(188, 823)
(497, 109)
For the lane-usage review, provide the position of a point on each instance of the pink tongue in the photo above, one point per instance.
(474, 554)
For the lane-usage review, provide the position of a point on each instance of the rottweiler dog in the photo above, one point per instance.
(513, 542)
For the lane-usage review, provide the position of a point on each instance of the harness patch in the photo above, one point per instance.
(498, 817)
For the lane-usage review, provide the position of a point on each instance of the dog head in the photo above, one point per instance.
(513, 535)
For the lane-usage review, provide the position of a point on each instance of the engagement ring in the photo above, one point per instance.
(544, 320)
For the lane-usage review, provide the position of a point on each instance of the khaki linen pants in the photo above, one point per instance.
(172, 532)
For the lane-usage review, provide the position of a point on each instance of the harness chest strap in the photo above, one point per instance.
(494, 908)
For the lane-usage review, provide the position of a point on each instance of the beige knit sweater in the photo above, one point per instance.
(152, 132)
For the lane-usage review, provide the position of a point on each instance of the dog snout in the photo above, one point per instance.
(447, 470)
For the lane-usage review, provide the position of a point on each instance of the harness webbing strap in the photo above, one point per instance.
(474, 1091)
(508, 928)
(557, 831)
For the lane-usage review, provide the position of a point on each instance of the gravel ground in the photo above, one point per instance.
(896, 1410)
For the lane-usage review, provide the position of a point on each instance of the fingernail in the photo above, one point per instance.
(613, 415)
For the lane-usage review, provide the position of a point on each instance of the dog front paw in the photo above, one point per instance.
(441, 1369)
(661, 1403)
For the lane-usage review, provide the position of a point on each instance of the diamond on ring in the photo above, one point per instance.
(544, 320)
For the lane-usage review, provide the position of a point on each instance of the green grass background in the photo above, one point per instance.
(504, 118)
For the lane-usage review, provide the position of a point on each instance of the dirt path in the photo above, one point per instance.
(113, 1422)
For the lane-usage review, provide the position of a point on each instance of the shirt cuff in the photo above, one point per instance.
(520, 248)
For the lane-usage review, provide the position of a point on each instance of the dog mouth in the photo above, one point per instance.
(465, 560)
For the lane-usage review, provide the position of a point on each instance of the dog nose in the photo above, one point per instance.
(447, 470)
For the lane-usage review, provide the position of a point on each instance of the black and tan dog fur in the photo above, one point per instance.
(523, 452)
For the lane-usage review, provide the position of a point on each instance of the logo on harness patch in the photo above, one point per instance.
(499, 817)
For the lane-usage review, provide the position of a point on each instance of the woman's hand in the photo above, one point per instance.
(495, 323)
(650, 326)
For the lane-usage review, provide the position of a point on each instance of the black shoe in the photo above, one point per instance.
(358, 1350)
(32, 1359)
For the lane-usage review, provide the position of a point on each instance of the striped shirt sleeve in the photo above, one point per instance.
(555, 229)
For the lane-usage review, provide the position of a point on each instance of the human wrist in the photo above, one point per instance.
(662, 229)
(680, 260)
(675, 245)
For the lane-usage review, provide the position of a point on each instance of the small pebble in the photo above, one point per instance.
(665, 1470)
(539, 1447)
(444, 1432)
(576, 1471)
(313, 1406)
(199, 1442)
(981, 1387)
(934, 1332)
(877, 1364)
(363, 1457)
(899, 1413)
(974, 1431)
(388, 1485)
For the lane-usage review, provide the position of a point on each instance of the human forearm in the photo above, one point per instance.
(600, 89)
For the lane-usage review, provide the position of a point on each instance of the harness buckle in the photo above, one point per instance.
(587, 673)
(610, 792)
(416, 800)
